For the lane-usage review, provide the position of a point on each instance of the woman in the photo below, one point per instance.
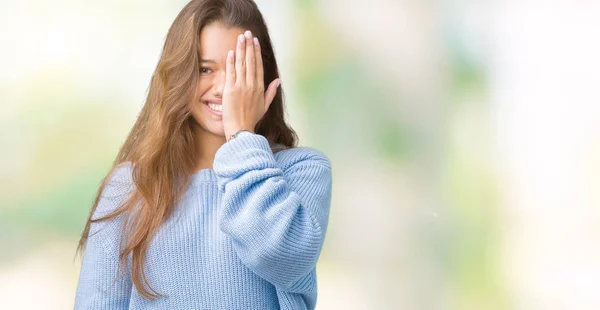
(209, 205)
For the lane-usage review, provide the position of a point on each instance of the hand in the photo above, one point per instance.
(245, 100)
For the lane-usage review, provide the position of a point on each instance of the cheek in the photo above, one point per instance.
(196, 110)
(202, 87)
(203, 83)
(195, 104)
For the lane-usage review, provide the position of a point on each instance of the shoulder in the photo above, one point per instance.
(119, 180)
(118, 187)
(305, 155)
(123, 172)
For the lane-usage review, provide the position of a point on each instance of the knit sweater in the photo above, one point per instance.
(246, 234)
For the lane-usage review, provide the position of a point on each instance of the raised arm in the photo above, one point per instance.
(276, 217)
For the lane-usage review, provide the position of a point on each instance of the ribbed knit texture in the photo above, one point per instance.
(247, 234)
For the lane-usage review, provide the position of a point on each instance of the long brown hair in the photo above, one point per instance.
(161, 143)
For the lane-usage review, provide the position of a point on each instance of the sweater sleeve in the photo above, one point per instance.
(276, 217)
(100, 286)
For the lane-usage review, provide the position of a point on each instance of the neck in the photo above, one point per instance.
(207, 145)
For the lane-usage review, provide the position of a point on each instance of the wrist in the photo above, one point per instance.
(237, 132)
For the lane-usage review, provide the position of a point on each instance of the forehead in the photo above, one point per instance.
(216, 40)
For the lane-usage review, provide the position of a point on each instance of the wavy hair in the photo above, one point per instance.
(161, 143)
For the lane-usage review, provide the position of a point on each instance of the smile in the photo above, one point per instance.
(215, 109)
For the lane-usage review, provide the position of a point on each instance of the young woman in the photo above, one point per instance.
(209, 204)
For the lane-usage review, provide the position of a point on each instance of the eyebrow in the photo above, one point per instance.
(207, 60)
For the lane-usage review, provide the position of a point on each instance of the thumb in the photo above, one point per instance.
(271, 92)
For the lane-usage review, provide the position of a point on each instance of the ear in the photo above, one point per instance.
(271, 92)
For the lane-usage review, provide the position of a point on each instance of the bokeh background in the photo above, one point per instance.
(464, 137)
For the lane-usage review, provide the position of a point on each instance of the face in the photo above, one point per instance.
(215, 41)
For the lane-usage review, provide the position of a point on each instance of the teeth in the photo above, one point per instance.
(216, 107)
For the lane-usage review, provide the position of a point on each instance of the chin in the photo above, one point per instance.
(220, 133)
(217, 129)
(208, 126)
(214, 128)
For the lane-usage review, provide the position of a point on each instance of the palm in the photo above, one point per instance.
(245, 100)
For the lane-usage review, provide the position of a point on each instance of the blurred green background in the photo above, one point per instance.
(464, 139)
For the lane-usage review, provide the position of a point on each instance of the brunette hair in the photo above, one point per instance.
(161, 143)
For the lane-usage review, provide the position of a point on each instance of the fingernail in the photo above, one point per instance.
(256, 40)
(230, 54)
(241, 38)
(248, 34)
(278, 83)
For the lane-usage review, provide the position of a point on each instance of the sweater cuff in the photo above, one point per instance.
(242, 143)
(246, 152)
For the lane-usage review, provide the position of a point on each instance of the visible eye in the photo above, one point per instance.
(205, 70)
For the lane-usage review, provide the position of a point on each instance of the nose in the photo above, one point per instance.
(218, 84)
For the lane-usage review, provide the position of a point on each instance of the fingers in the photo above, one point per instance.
(260, 79)
(250, 60)
(271, 92)
(240, 60)
(230, 69)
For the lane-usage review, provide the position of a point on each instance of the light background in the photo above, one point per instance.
(464, 137)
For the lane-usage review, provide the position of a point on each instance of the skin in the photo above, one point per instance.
(231, 74)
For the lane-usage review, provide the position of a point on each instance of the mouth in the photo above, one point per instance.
(214, 108)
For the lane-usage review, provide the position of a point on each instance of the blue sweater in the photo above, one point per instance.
(246, 234)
